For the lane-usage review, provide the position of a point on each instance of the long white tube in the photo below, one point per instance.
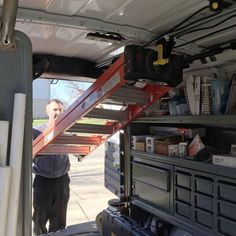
(4, 125)
(5, 174)
(16, 151)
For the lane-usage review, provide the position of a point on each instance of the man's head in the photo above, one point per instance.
(54, 109)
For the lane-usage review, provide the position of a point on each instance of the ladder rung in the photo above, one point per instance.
(81, 140)
(88, 128)
(131, 91)
(130, 95)
(114, 102)
(108, 114)
(67, 149)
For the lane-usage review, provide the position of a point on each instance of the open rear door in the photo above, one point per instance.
(16, 77)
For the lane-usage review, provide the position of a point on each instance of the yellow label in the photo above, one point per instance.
(160, 60)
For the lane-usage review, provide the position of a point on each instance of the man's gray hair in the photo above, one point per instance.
(55, 100)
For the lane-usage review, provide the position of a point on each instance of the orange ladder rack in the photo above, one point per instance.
(68, 136)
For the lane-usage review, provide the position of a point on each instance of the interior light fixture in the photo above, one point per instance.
(108, 37)
(218, 5)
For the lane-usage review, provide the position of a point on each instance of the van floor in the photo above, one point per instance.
(83, 229)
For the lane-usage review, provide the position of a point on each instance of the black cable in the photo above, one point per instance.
(175, 27)
(205, 28)
(198, 20)
(204, 36)
(189, 17)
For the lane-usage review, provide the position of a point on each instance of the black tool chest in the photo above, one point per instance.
(197, 196)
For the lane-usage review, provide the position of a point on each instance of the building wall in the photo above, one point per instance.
(41, 95)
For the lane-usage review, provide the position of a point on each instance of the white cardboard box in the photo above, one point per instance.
(135, 139)
(233, 149)
(150, 143)
(225, 160)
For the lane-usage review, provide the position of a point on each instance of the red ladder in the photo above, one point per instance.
(65, 136)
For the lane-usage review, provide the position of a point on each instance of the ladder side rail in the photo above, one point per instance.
(106, 84)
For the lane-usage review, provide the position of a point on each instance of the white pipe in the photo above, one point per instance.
(5, 175)
(4, 125)
(16, 151)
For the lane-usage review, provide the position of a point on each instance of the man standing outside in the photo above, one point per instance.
(51, 190)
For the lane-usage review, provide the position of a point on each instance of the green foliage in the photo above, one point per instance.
(81, 121)
(39, 122)
(91, 121)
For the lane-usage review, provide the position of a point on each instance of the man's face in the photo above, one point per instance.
(54, 110)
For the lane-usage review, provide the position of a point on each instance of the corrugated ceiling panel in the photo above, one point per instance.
(152, 14)
(70, 34)
(44, 31)
(92, 8)
(91, 51)
(35, 4)
(26, 28)
(100, 9)
(65, 41)
(66, 7)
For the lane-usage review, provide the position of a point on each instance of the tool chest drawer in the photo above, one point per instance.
(183, 209)
(227, 209)
(204, 202)
(204, 218)
(183, 179)
(157, 177)
(155, 196)
(183, 195)
(227, 227)
(203, 185)
(227, 191)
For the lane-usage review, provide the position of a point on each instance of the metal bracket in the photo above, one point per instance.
(7, 24)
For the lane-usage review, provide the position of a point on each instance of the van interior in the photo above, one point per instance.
(164, 43)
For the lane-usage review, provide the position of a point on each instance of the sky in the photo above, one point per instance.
(68, 91)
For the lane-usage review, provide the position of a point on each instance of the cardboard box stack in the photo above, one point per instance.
(170, 141)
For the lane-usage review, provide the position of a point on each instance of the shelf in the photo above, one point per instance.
(151, 158)
(204, 119)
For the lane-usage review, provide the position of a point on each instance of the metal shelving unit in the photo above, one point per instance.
(200, 196)
(203, 120)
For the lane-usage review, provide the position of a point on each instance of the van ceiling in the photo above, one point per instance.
(60, 27)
